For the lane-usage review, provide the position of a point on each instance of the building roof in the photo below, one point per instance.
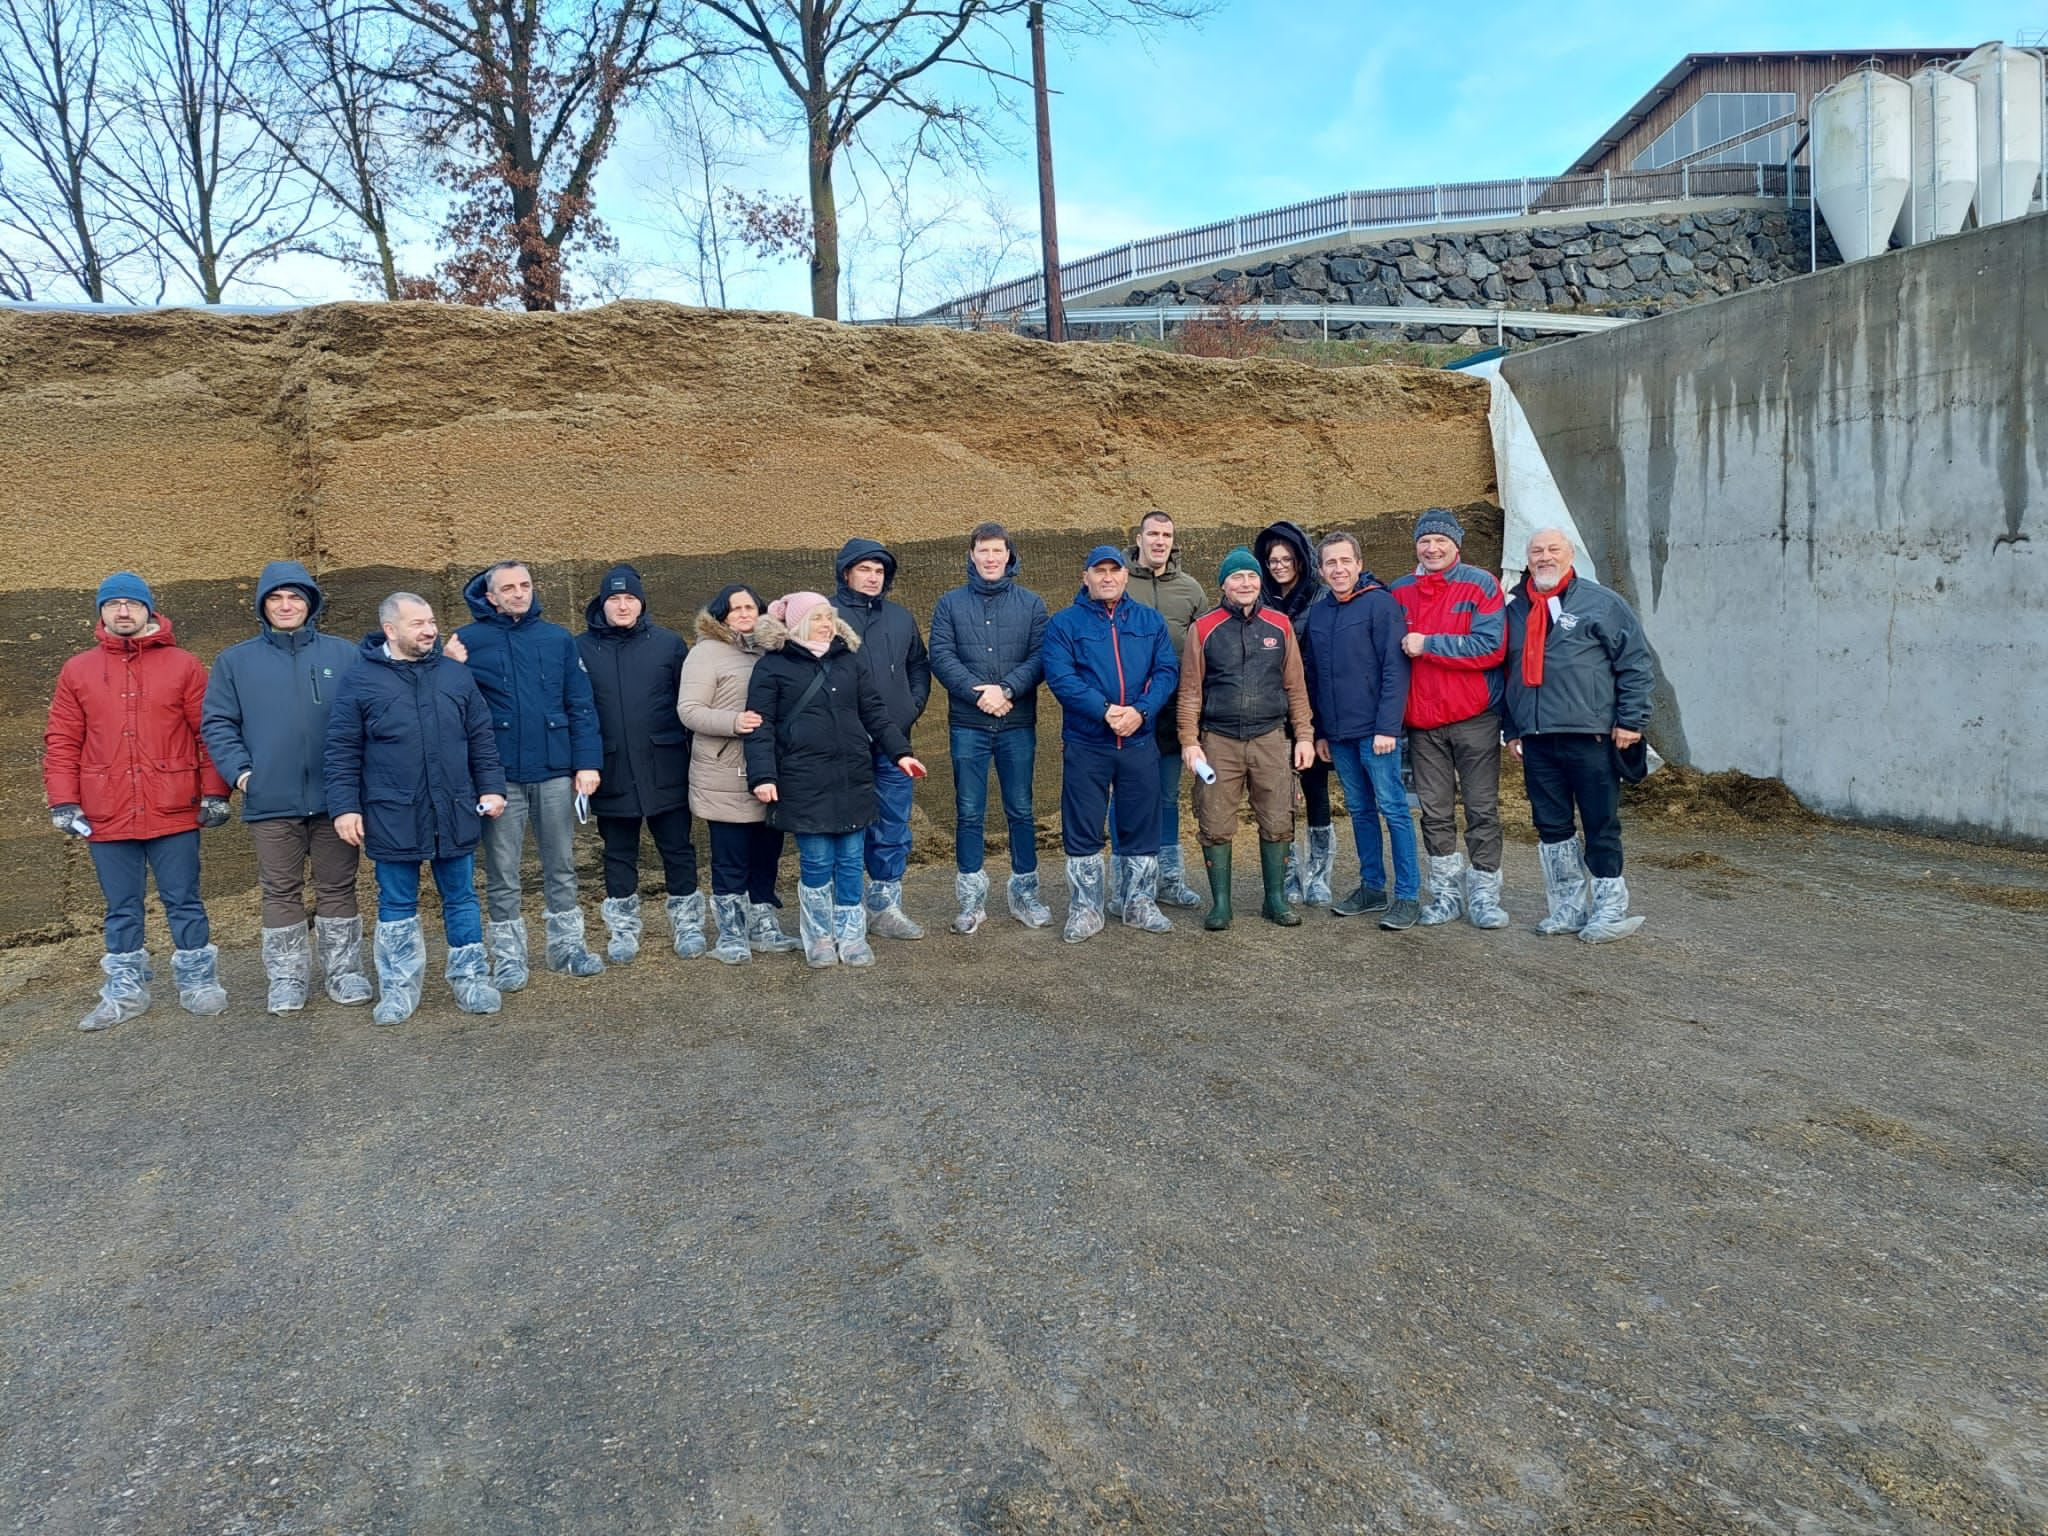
(1657, 94)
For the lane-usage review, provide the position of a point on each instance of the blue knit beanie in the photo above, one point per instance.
(1437, 520)
(125, 584)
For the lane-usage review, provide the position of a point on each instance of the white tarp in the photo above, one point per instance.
(1528, 494)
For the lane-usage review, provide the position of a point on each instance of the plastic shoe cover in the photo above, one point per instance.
(730, 913)
(507, 944)
(1322, 862)
(288, 965)
(1564, 886)
(125, 992)
(1141, 904)
(1024, 903)
(814, 922)
(469, 978)
(1610, 919)
(1446, 890)
(340, 942)
(566, 950)
(686, 923)
(764, 932)
(885, 911)
(1085, 880)
(850, 929)
(1482, 898)
(622, 927)
(1172, 887)
(198, 978)
(971, 892)
(401, 958)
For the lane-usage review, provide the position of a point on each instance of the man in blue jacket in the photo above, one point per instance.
(985, 654)
(1110, 664)
(265, 722)
(1578, 683)
(412, 775)
(549, 741)
(894, 655)
(1358, 693)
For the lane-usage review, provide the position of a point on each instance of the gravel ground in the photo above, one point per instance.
(1734, 1227)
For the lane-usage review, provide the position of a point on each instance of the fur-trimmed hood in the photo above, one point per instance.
(772, 634)
(709, 628)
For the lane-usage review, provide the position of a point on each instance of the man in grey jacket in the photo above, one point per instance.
(1577, 696)
(265, 723)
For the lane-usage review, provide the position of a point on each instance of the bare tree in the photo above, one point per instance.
(51, 116)
(328, 99)
(524, 98)
(200, 183)
(839, 62)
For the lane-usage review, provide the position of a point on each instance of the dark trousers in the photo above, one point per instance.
(671, 833)
(283, 847)
(1570, 772)
(1315, 793)
(124, 866)
(744, 855)
(1087, 776)
(1462, 758)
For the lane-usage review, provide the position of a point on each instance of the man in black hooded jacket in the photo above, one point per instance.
(893, 652)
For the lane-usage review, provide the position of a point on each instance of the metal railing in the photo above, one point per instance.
(1457, 202)
(1158, 318)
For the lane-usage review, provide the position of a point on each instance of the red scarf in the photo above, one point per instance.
(1539, 629)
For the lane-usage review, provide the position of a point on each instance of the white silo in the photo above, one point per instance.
(1862, 163)
(2008, 82)
(1944, 156)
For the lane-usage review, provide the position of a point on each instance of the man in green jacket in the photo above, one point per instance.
(1160, 584)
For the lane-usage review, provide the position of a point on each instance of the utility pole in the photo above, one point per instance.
(1048, 223)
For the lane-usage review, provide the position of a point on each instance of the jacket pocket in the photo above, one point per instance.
(558, 744)
(171, 785)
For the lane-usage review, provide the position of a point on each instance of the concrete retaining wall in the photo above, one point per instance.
(1825, 498)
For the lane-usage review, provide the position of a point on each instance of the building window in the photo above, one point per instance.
(1715, 119)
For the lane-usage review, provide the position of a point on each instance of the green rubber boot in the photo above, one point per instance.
(1216, 861)
(1273, 871)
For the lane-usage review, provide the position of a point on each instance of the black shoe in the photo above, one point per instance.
(1402, 914)
(1360, 902)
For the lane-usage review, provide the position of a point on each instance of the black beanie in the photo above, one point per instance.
(621, 578)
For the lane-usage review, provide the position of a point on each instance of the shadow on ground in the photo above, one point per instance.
(1737, 1226)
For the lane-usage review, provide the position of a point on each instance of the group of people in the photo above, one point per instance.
(792, 718)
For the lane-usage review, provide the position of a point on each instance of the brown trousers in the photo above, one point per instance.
(1462, 758)
(282, 849)
(1261, 766)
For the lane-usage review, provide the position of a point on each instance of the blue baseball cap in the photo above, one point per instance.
(1105, 552)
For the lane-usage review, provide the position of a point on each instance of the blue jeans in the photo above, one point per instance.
(1015, 756)
(887, 841)
(123, 867)
(825, 858)
(1169, 805)
(398, 896)
(1119, 783)
(1372, 789)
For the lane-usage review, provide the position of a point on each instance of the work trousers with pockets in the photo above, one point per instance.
(1460, 758)
(284, 845)
(1263, 768)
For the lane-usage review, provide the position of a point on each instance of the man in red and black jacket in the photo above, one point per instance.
(1241, 688)
(1456, 641)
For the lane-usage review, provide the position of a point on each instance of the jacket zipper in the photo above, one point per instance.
(1117, 651)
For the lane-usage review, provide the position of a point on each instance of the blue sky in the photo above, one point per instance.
(1267, 103)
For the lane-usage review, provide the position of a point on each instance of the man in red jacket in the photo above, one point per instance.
(1456, 640)
(124, 768)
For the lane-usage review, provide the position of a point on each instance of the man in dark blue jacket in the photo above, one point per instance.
(985, 654)
(894, 654)
(552, 749)
(265, 722)
(1110, 664)
(1578, 683)
(412, 774)
(1358, 692)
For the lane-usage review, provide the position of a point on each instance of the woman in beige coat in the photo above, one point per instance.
(745, 850)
